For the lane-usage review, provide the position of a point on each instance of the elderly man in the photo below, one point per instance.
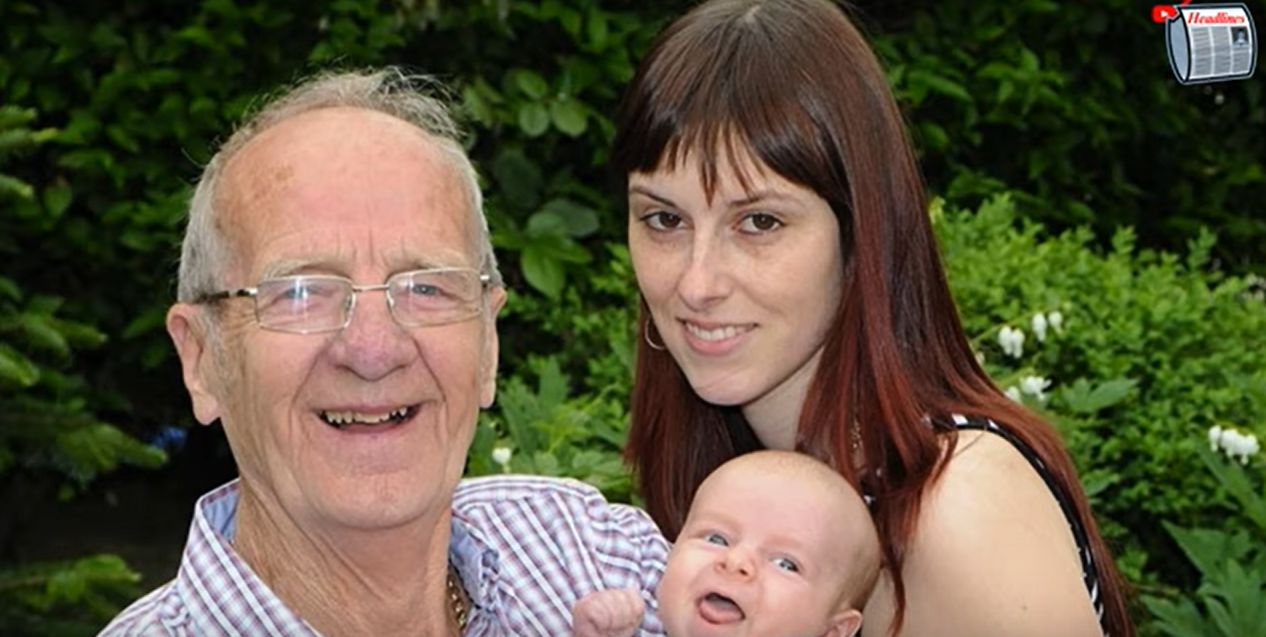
(336, 313)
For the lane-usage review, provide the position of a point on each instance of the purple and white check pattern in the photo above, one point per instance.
(526, 548)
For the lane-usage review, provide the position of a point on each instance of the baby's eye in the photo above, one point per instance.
(787, 564)
(716, 538)
(759, 223)
(662, 220)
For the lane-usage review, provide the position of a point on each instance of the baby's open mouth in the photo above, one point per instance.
(716, 608)
(353, 420)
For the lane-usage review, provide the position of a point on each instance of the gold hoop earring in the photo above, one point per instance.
(646, 334)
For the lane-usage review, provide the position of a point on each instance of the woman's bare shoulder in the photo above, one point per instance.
(992, 554)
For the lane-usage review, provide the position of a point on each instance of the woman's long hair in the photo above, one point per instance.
(793, 83)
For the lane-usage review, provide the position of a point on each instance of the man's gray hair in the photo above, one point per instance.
(409, 97)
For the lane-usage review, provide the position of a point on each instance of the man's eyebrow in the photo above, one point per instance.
(330, 265)
(291, 267)
(445, 259)
(647, 192)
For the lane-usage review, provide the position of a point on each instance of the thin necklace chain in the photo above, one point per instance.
(457, 599)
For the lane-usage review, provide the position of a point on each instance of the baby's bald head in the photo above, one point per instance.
(852, 539)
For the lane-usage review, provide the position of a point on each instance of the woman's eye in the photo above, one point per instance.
(662, 220)
(715, 538)
(787, 564)
(759, 222)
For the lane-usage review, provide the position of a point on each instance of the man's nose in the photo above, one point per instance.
(706, 279)
(372, 345)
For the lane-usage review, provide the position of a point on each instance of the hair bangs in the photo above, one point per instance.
(716, 92)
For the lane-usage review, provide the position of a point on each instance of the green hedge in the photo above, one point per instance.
(110, 109)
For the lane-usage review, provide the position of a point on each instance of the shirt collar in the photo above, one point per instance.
(209, 554)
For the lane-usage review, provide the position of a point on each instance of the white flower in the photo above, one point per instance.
(1039, 327)
(1035, 386)
(1215, 437)
(1056, 320)
(501, 456)
(1013, 393)
(1238, 444)
(1011, 340)
(1234, 444)
(1250, 448)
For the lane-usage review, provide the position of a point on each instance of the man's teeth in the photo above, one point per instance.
(717, 334)
(356, 417)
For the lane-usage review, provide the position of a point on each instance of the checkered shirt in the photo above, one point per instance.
(526, 549)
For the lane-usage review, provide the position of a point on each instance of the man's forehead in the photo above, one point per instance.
(345, 166)
(331, 135)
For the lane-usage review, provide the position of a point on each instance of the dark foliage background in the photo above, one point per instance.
(108, 110)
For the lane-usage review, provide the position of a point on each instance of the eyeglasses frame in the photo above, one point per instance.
(485, 280)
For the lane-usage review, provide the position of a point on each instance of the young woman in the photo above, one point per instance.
(793, 298)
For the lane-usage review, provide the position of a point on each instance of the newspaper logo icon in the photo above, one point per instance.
(1209, 42)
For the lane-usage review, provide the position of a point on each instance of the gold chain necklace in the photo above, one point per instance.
(457, 599)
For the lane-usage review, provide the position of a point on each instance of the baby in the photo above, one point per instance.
(776, 543)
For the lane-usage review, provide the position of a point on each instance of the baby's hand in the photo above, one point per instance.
(613, 613)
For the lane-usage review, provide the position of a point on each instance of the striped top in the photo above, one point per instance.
(1089, 573)
(526, 549)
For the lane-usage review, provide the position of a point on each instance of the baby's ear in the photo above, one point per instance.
(844, 623)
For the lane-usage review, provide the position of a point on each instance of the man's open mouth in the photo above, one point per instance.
(716, 608)
(352, 420)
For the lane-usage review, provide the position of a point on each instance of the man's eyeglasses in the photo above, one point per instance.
(308, 304)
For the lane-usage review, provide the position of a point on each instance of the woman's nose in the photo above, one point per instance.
(706, 279)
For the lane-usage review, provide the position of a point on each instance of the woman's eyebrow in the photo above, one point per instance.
(758, 196)
(646, 192)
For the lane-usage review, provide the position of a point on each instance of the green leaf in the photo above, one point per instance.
(542, 270)
(938, 84)
(57, 198)
(1209, 549)
(14, 116)
(477, 106)
(934, 136)
(562, 248)
(1235, 480)
(562, 217)
(14, 187)
(16, 368)
(43, 334)
(148, 321)
(519, 178)
(568, 116)
(546, 464)
(14, 140)
(77, 334)
(1081, 398)
(552, 384)
(546, 223)
(98, 448)
(571, 21)
(1177, 619)
(531, 83)
(10, 289)
(597, 28)
(533, 118)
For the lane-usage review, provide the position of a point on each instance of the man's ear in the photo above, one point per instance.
(491, 349)
(845, 623)
(188, 333)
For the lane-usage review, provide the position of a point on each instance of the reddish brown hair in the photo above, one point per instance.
(793, 83)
